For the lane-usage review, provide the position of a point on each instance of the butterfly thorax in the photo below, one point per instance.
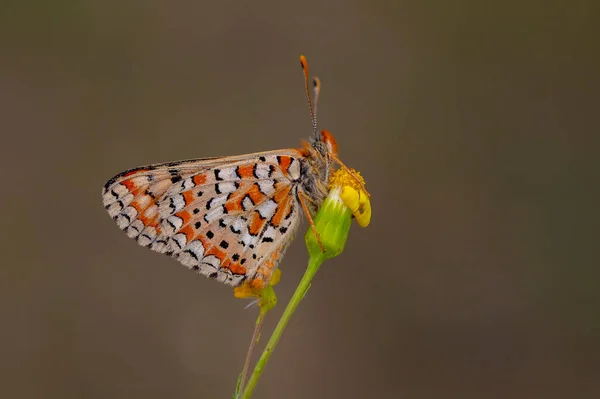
(316, 168)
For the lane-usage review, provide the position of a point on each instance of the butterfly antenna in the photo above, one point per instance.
(316, 91)
(313, 115)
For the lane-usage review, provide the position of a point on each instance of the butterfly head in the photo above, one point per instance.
(329, 141)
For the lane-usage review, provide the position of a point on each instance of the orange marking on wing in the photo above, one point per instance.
(185, 215)
(281, 194)
(246, 172)
(236, 268)
(137, 206)
(234, 204)
(188, 196)
(279, 213)
(257, 224)
(284, 163)
(214, 250)
(258, 282)
(152, 222)
(140, 208)
(188, 231)
(255, 195)
(266, 269)
(132, 187)
(205, 242)
(199, 179)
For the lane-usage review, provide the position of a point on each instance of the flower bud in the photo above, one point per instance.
(346, 198)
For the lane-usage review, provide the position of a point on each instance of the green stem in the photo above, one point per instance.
(314, 262)
(253, 342)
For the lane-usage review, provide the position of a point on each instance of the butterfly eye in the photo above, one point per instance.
(329, 140)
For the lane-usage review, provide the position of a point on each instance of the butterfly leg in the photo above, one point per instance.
(302, 197)
(350, 172)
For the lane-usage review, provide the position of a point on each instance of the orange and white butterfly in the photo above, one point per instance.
(229, 218)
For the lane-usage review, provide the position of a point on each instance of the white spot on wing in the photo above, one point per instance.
(267, 209)
(235, 279)
(228, 174)
(191, 255)
(269, 233)
(178, 202)
(135, 228)
(114, 209)
(188, 184)
(210, 263)
(120, 190)
(172, 224)
(226, 187)
(126, 217)
(247, 203)
(171, 205)
(266, 187)
(262, 170)
(238, 225)
(151, 211)
(177, 242)
(126, 200)
(147, 236)
(294, 169)
(214, 214)
(222, 276)
(218, 201)
(140, 181)
(159, 244)
(248, 239)
(143, 201)
(196, 248)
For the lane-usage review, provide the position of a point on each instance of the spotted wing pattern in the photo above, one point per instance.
(228, 218)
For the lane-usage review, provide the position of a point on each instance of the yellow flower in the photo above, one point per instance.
(347, 197)
(266, 296)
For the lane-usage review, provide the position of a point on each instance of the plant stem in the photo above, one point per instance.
(314, 262)
(253, 342)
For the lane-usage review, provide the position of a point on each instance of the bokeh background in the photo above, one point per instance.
(475, 125)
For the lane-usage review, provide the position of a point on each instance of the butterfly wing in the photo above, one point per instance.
(229, 218)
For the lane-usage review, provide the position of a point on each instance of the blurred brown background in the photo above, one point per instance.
(472, 123)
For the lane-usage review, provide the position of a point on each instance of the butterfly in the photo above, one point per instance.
(229, 218)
